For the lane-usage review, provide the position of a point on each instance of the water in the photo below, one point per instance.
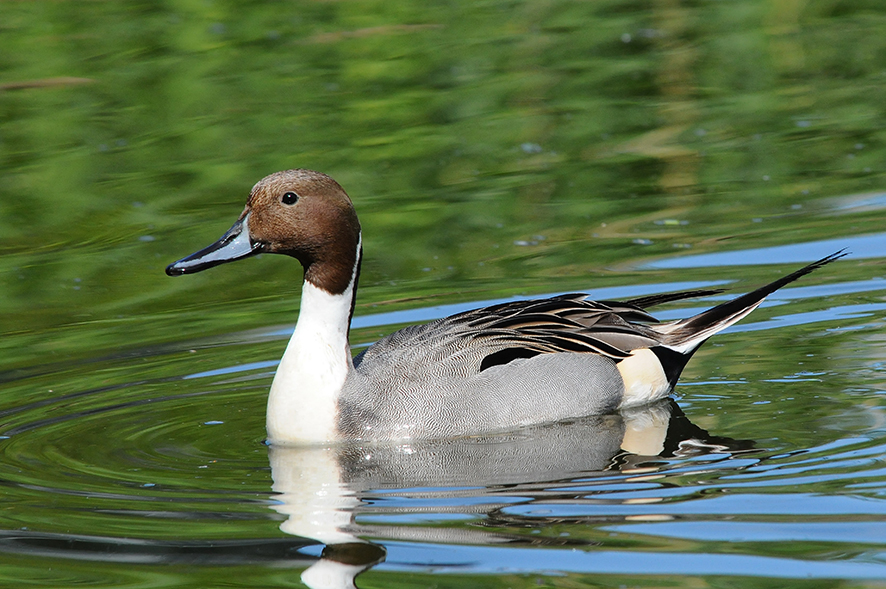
(494, 151)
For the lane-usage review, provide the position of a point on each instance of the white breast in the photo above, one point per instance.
(302, 404)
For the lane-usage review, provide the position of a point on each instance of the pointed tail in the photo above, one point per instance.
(687, 335)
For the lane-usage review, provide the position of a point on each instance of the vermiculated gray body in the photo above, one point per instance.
(401, 388)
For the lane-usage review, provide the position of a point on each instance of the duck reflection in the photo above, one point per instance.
(323, 489)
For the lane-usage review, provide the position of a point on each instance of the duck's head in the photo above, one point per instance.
(300, 213)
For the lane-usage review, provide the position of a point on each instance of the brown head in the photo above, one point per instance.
(300, 213)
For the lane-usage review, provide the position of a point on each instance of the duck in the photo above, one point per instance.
(492, 369)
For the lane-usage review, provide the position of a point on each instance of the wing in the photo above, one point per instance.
(567, 323)
(501, 333)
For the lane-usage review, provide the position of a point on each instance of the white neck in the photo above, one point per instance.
(302, 404)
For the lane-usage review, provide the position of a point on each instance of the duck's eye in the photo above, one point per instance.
(290, 198)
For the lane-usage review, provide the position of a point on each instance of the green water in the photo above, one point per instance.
(492, 149)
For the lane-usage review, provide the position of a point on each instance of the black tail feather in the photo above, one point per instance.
(730, 308)
(669, 297)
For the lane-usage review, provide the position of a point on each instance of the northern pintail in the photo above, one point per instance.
(490, 369)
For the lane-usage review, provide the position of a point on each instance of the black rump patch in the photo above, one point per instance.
(672, 363)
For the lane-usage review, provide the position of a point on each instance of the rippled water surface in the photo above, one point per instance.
(494, 150)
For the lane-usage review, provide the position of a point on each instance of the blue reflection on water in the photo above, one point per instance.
(732, 531)
(862, 246)
(489, 559)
